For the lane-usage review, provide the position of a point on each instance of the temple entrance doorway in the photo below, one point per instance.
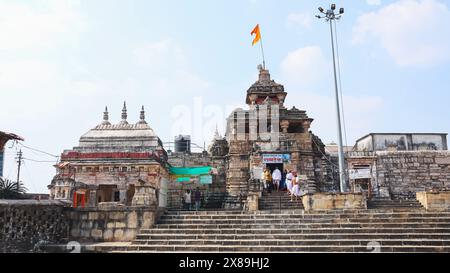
(273, 166)
(107, 193)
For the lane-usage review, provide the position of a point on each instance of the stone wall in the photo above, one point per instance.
(435, 201)
(110, 224)
(402, 174)
(26, 224)
(324, 201)
(177, 189)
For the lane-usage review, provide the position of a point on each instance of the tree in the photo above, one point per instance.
(11, 189)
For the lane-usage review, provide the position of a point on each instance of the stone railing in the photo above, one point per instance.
(360, 154)
(25, 225)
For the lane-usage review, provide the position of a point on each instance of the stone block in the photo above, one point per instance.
(119, 225)
(321, 201)
(97, 233)
(75, 232)
(129, 235)
(108, 235)
(118, 235)
(93, 215)
(117, 215)
(132, 220)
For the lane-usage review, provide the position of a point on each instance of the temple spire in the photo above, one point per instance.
(124, 113)
(142, 116)
(106, 117)
(216, 134)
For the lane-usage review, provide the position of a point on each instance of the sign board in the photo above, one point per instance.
(206, 179)
(359, 173)
(275, 158)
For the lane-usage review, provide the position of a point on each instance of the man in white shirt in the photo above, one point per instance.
(276, 177)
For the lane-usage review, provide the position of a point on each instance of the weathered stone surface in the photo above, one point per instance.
(323, 201)
(434, 201)
(111, 224)
(426, 170)
(24, 224)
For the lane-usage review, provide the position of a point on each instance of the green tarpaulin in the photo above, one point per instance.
(194, 171)
(185, 174)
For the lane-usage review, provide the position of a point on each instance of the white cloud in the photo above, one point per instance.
(306, 74)
(168, 65)
(373, 2)
(300, 19)
(304, 66)
(42, 24)
(414, 32)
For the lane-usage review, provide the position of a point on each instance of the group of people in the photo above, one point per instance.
(288, 180)
(187, 199)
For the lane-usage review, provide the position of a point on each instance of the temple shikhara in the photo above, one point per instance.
(270, 135)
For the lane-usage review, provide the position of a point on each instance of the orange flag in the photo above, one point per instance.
(256, 32)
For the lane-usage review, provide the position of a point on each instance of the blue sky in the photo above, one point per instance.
(190, 63)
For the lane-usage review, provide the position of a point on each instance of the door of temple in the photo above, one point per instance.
(272, 167)
(364, 185)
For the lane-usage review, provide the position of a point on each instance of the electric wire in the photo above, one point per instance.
(37, 150)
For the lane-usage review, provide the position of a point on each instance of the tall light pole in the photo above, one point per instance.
(330, 15)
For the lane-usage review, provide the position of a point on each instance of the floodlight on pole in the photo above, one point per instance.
(330, 15)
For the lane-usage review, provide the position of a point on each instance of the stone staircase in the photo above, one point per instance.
(384, 230)
(278, 201)
(398, 204)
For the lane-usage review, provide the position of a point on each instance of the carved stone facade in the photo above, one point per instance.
(269, 129)
(110, 163)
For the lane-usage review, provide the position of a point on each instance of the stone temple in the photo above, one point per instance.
(110, 164)
(270, 135)
(125, 190)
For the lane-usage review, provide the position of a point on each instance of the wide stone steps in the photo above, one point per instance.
(302, 212)
(282, 216)
(280, 201)
(376, 204)
(284, 249)
(316, 236)
(413, 230)
(327, 231)
(276, 242)
(305, 225)
(304, 221)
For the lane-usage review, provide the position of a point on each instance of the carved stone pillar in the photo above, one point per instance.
(92, 198)
(281, 98)
(306, 125)
(253, 98)
(145, 196)
(284, 126)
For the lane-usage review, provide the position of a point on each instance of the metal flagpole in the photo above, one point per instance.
(262, 49)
